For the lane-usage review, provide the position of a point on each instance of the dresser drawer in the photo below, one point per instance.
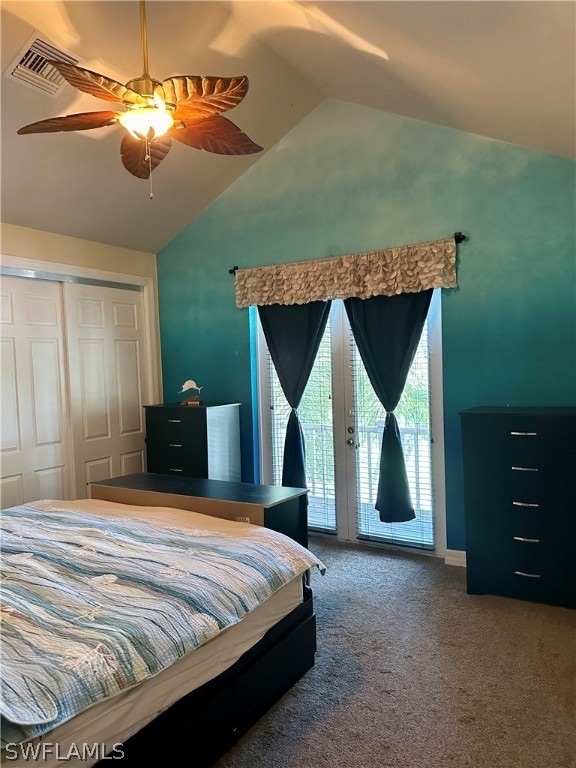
(531, 524)
(171, 458)
(504, 581)
(547, 484)
(524, 548)
(521, 440)
(541, 523)
(542, 570)
(174, 425)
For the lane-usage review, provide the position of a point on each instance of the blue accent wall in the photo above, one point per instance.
(350, 178)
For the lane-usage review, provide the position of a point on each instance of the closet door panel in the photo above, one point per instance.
(106, 360)
(10, 432)
(35, 441)
(92, 398)
(127, 354)
(44, 356)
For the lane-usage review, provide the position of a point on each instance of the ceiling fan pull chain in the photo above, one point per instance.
(148, 157)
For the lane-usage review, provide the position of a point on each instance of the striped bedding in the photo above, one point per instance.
(94, 605)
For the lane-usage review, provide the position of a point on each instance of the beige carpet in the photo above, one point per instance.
(412, 672)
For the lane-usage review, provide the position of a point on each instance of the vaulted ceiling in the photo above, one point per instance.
(505, 70)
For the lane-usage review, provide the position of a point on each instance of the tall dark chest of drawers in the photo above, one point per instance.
(194, 441)
(520, 502)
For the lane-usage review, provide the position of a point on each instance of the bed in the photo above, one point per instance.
(127, 629)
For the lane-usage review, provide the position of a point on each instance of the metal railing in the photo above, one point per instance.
(321, 475)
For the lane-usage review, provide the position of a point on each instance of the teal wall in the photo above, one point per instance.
(350, 178)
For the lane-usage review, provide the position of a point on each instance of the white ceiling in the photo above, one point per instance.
(505, 70)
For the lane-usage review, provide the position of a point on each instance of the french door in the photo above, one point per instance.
(343, 421)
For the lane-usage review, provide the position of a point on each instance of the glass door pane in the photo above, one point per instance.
(315, 413)
(413, 415)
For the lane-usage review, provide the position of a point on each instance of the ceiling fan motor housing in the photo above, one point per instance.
(145, 86)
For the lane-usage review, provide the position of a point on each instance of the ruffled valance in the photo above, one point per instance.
(385, 272)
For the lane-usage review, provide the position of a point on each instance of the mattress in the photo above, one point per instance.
(104, 727)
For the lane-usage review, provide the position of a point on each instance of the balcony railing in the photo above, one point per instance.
(321, 484)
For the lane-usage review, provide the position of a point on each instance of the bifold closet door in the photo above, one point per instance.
(107, 381)
(34, 435)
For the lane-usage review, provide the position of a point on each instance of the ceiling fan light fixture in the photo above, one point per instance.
(146, 123)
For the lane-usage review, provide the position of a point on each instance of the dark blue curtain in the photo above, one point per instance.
(293, 334)
(387, 331)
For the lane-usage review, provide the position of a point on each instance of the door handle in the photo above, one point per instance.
(352, 443)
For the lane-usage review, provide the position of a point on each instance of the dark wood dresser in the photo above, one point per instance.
(520, 502)
(194, 441)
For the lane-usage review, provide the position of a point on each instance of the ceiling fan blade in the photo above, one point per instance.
(134, 154)
(96, 84)
(216, 134)
(197, 97)
(80, 122)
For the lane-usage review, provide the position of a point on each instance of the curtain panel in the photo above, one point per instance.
(293, 335)
(385, 272)
(387, 331)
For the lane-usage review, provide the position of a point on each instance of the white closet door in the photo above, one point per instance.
(106, 362)
(35, 457)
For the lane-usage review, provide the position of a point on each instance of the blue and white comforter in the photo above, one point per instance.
(91, 606)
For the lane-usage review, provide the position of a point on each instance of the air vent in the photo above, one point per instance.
(31, 66)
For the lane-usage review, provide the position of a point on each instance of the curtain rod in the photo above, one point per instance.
(459, 237)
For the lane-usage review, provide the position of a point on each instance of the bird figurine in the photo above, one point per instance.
(193, 399)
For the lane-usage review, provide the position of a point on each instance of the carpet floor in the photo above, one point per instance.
(412, 672)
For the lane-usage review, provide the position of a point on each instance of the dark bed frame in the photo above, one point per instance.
(203, 725)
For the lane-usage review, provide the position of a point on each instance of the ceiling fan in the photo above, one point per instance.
(184, 107)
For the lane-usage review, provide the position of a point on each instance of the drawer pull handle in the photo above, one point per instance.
(525, 434)
(525, 469)
(172, 469)
(524, 504)
(175, 421)
(527, 575)
(174, 445)
(522, 538)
